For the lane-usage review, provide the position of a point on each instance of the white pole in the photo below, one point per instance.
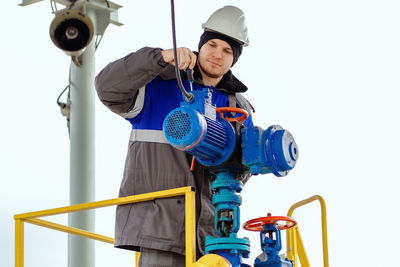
(82, 160)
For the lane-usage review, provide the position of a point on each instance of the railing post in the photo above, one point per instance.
(324, 231)
(137, 257)
(291, 245)
(19, 243)
(296, 234)
(190, 228)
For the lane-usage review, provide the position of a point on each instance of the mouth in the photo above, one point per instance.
(213, 63)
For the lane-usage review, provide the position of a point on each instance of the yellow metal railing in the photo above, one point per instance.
(295, 244)
(31, 217)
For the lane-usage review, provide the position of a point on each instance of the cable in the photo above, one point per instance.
(188, 96)
(53, 6)
(65, 108)
(97, 41)
(63, 91)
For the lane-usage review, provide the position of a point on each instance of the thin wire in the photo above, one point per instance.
(53, 6)
(67, 104)
(63, 91)
(187, 95)
(97, 41)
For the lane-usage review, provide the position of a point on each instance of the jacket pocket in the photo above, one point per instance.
(165, 220)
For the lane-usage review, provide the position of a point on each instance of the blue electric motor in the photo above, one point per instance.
(195, 128)
(210, 141)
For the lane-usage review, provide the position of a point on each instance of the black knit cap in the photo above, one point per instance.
(236, 46)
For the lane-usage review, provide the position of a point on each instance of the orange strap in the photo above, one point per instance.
(192, 165)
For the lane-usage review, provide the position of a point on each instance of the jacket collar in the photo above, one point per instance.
(229, 83)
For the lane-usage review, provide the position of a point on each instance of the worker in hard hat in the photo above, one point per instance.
(142, 88)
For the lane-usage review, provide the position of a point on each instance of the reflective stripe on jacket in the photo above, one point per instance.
(155, 101)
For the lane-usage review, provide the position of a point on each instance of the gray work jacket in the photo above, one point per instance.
(153, 165)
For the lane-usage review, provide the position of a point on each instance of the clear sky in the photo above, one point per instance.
(328, 71)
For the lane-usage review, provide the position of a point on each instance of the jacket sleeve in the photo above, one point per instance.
(119, 82)
(244, 103)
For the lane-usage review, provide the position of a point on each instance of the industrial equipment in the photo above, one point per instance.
(270, 246)
(231, 150)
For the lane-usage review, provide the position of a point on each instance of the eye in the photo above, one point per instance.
(212, 44)
(228, 51)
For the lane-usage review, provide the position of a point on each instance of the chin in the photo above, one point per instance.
(212, 71)
(215, 75)
(217, 72)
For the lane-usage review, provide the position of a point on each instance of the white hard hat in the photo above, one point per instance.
(229, 21)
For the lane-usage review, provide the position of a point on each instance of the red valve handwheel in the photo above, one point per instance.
(257, 224)
(240, 119)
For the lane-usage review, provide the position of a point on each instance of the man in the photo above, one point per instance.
(142, 88)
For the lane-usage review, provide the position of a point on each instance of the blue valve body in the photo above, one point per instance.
(227, 221)
(271, 247)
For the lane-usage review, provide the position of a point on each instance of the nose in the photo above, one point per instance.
(217, 53)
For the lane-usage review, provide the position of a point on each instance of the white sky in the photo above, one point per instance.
(328, 71)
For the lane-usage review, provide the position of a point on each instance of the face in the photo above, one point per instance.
(215, 58)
